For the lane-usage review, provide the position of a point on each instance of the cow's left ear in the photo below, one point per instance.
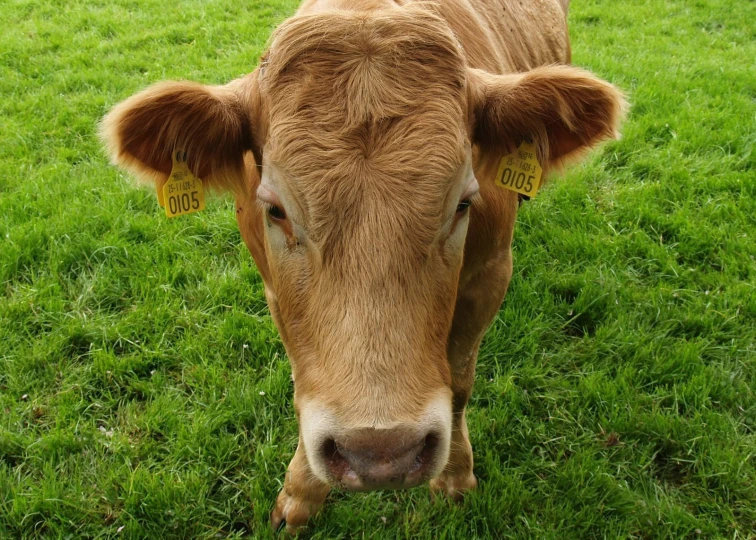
(564, 110)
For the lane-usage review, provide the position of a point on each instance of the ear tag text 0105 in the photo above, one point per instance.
(520, 170)
(183, 192)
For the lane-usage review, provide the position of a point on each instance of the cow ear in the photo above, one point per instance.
(565, 110)
(215, 125)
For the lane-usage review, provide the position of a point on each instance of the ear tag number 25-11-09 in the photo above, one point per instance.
(183, 192)
(520, 170)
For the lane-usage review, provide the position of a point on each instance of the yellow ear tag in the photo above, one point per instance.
(183, 192)
(520, 171)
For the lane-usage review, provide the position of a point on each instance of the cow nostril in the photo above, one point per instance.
(335, 462)
(427, 452)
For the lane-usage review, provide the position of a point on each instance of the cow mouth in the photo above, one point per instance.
(414, 467)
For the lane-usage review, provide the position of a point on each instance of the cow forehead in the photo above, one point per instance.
(366, 109)
(399, 196)
(421, 152)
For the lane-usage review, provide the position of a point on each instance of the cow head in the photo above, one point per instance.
(363, 126)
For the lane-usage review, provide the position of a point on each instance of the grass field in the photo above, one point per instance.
(144, 391)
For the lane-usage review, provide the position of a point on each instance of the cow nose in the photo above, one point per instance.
(368, 459)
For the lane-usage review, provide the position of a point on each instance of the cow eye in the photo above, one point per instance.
(276, 213)
(463, 205)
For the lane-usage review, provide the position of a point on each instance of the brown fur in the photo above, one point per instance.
(362, 115)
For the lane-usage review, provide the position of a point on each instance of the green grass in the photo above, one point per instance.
(144, 391)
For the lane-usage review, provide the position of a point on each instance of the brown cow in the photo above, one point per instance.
(362, 153)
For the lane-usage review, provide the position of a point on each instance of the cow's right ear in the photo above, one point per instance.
(215, 125)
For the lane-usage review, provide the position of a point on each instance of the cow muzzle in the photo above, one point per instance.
(398, 455)
(368, 459)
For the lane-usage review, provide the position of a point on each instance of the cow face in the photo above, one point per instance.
(363, 124)
(367, 184)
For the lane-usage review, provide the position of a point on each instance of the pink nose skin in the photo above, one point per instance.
(369, 459)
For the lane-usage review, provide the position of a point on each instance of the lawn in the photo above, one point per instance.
(144, 391)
